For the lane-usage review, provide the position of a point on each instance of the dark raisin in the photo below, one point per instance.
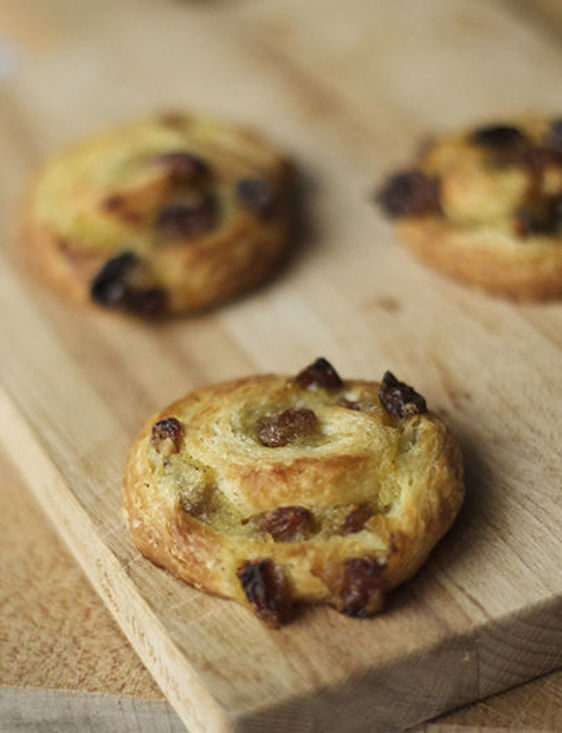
(278, 430)
(112, 287)
(533, 157)
(319, 375)
(409, 193)
(266, 588)
(287, 523)
(539, 157)
(187, 219)
(256, 195)
(182, 166)
(145, 302)
(355, 520)
(399, 399)
(556, 212)
(554, 138)
(361, 588)
(166, 436)
(525, 223)
(109, 286)
(546, 220)
(528, 223)
(498, 136)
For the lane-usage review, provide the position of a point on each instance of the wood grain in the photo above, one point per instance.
(346, 99)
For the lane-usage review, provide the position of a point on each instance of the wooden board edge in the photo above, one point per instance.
(178, 681)
(414, 689)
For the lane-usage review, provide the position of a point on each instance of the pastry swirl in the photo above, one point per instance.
(166, 215)
(485, 207)
(344, 503)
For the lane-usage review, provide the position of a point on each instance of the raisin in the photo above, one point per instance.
(187, 219)
(546, 221)
(399, 399)
(182, 166)
(109, 286)
(194, 498)
(556, 212)
(112, 288)
(256, 195)
(536, 158)
(361, 587)
(527, 223)
(319, 375)
(355, 520)
(498, 136)
(266, 588)
(409, 193)
(539, 157)
(166, 436)
(554, 138)
(145, 302)
(290, 425)
(287, 523)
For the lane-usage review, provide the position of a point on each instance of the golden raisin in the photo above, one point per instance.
(355, 520)
(287, 427)
(287, 523)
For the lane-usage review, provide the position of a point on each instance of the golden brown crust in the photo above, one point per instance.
(344, 511)
(496, 221)
(487, 258)
(200, 209)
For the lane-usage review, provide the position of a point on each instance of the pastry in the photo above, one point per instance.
(167, 215)
(485, 207)
(275, 490)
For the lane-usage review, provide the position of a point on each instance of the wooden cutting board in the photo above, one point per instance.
(346, 89)
(64, 665)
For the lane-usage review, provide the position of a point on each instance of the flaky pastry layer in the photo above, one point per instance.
(166, 215)
(485, 207)
(231, 486)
